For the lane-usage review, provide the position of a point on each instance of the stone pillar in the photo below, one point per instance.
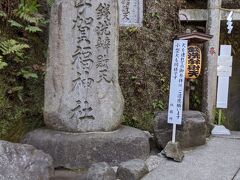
(83, 100)
(211, 53)
(82, 92)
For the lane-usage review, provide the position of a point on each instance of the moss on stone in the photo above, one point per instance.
(145, 60)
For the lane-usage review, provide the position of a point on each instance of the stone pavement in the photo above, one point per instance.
(219, 159)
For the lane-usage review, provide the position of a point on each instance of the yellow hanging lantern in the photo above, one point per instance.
(194, 62)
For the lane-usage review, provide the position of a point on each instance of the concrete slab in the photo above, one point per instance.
(234, 135)
(237, 177)
(219, 159)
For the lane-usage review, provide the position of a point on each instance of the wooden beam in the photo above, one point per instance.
(202, 15)
(236, 16)
(193, 15)
(187, 95)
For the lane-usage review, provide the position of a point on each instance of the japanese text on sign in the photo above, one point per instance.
(177, 82)
(194, 61)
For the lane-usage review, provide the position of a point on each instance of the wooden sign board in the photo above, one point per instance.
(224, 71)
(179, 57)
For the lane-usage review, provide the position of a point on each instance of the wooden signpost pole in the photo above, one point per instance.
(174, 133)
(187, 95)
(175, 107)
(177, 85)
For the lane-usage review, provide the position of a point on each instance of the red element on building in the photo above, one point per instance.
(212, 51)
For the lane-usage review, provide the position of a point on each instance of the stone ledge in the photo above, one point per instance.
(80, 150)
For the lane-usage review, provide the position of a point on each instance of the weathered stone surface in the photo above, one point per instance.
(101, 171)
(131, 12)
(80, 150)
(132, 170)
(97, 171)
(69, 175)
(82, 92)
(154, 161)
(115, 168)
(173, 151)
(191, 133)
(18, 162)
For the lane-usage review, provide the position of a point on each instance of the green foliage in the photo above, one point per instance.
(3, 14)
(33, 29)
(2, 64)
(196, 94)
(132, 30)
(219, 115)
(27, 74)
(28, 11)
(50, 2)
(142, 121)
(159, 105)
(13, 47)
(23, 19)
(21, 67)
(15, 24)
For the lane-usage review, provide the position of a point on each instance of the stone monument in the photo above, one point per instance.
(131, 12)
(82, 93)
(83, 100)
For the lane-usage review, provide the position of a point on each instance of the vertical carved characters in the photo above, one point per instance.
(125, 9)
(89, 55)
(82, 92)
(82, 61)
(131, 12)
(103, 41)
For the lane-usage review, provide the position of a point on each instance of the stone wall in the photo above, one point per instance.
(145, 58)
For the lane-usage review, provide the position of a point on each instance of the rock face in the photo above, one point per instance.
(154, 161)
(191, 133)
(173, 151)
(98, 171)
(81, 150)
(18, 162)
(69, 175)
(82, 92)
(101, 171)
(132, 170)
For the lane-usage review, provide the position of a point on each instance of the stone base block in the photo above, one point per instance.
(220, 130)
(191, 133)
(173, 151)
(81, 150)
